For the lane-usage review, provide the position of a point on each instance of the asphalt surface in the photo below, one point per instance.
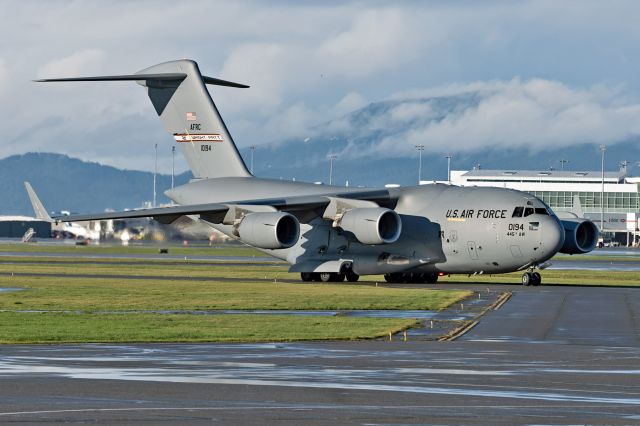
(550, 355)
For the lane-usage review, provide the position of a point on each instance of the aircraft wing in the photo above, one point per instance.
(305, 207)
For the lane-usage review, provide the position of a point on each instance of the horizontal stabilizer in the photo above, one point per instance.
(145, 77)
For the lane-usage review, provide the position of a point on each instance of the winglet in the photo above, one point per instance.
(38, 208)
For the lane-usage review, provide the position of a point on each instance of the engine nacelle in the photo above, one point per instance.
(269, 230)
(580, 236)
(375, 225)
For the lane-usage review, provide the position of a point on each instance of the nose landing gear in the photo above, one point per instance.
(531, 278)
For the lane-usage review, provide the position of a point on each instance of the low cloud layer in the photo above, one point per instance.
(535, 114)
(549, 73)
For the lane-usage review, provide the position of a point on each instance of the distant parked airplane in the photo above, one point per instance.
(60, 225)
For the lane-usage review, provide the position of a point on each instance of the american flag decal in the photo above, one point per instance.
(191, 116)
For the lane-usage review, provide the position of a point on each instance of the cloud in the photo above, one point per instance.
(535, 114)
(4, 77)
(349, 102)
(308, 62)
(87, 61)
(376, 40)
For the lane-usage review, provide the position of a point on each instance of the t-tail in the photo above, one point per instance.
(38, 208)
(178, 93)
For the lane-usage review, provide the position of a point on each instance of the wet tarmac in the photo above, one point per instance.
(550, 355)
(320, 383)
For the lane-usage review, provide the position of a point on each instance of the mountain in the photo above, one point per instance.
(356, 139)
(71, 184)
(65, 183)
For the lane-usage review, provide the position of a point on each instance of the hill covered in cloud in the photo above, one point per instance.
(374, 145)
(500, 125)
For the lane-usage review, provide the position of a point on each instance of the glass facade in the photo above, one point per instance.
(614, 202)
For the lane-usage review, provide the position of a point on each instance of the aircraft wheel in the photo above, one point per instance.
(306, 276)
(526, 278)
(431, 278)
(537, 278)
(325, 277)
(352, 277)
(337, 278)
(393, 277)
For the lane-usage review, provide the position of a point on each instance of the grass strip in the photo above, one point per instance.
(171, 270)
(599, 257)
(221, 250)
(113, 294)
(562, 277)
(125, 328)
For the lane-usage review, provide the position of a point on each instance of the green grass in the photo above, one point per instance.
(558, 277)
(113, 294)
(116, 308)
(160, 270)
(221, 250)
(77, 328)
(596, 257)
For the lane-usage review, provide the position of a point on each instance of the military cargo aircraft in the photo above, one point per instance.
(331, 233)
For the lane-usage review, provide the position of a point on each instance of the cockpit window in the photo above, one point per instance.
(517, 212)
(528, 211)
(542, 210)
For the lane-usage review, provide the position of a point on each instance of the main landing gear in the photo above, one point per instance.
(531, 278)
(329, 277)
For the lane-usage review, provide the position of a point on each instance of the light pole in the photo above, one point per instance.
(603, 148)
(331, 158)
(173, 165)
(448, 157)
(420, 148)
(252, 148)
(155, 172)
(562, 163)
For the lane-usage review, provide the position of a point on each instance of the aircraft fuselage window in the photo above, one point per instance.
(517, 212)
(542, 210)
(528, 211)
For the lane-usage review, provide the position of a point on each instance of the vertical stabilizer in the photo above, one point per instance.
(178, 93)
(577, 207)
(191, 117)
(38, 208)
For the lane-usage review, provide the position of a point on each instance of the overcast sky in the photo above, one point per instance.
(552, 72)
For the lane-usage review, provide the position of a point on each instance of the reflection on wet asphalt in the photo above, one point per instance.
(312, 382)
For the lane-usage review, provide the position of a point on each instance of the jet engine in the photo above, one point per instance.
(375, 225)
(581, 236)
(269, 230)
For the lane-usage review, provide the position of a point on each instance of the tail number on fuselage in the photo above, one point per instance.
(516, 230)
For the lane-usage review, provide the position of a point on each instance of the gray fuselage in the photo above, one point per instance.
(446, 229)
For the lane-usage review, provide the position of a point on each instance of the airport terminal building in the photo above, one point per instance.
(557, 188)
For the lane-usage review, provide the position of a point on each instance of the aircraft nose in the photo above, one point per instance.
(552, 236)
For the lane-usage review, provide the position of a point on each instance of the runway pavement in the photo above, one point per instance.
(551, 355)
